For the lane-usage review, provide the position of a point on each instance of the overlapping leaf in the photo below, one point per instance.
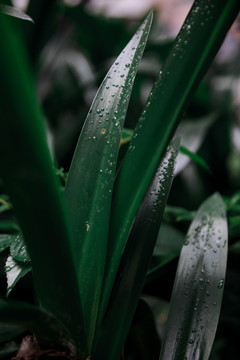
(198, 288)
(29, 179)
(135, 261)
(88, 190)
(188, 60)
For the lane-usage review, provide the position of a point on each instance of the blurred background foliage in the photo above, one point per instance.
(71, 46)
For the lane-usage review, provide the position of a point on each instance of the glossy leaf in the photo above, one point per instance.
(18, 249)
(46, 328)
(89, 185)
(192, 52)
(14, 12)
(14, 272)
(29, 179)
(135, 261)
(198, 288)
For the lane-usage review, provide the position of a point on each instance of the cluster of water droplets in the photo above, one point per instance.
(101, 134)
(161, 184)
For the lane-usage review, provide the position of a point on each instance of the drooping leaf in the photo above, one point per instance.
(135, 262)
(14, 272)
(14, 12)
(29, 179)
(198, 288)
(89, 185)
(192, 53)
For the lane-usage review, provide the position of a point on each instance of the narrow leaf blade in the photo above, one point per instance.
(198, 288)
(192, 53)
(14, 12)
(29, 179)
(89, 186)
(135, 261)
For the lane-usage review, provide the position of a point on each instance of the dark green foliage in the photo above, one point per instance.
(78, 249)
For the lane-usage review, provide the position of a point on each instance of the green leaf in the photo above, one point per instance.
(46, 328)
(14, 12)
(177, 214)
(195, 158)
(198, 288)
(14, 272)
(18, 249)
(89, 185)
(192, 53)
(30, 181)
(5, 241)
(135, 262)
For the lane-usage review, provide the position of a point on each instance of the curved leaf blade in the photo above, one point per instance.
(14, 272)
(14, 12)
(193, 51)
(135, 262)
(29, 179)
(89, 186)
(198, 288)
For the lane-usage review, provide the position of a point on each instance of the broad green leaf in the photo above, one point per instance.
(198, 287)
(192, 53)
(29, 179)
(14, 272)
(135, 262)
(14, 12)
(18, 249)
(48, 331)
(89, 185)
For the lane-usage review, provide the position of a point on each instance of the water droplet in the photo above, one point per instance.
(220, 284)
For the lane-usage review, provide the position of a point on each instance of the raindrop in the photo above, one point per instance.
(220, 284)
